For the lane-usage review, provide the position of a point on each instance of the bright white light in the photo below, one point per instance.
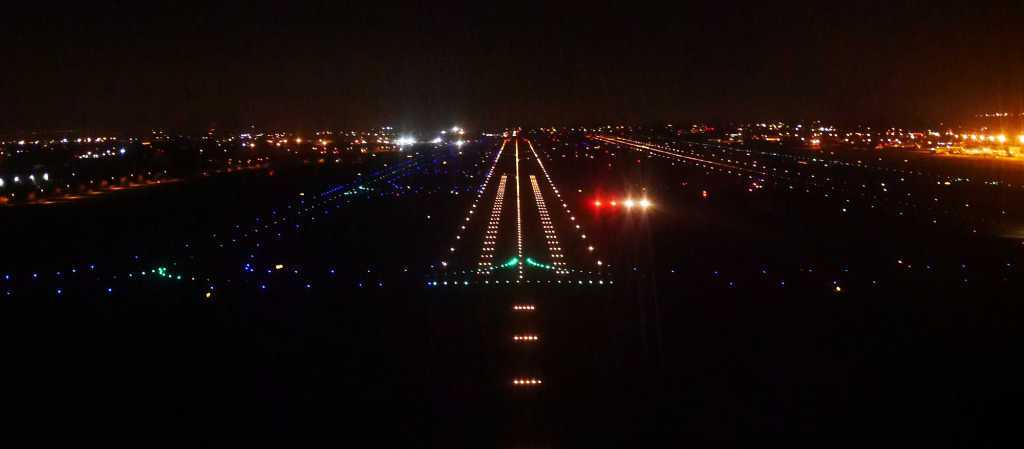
(17, 179)
(122, 151)
(459, 143)
(1, 182)
(629, 204)
(436, 140)
(405, 140)
(644, 203)
(456, 129)
(46, 176)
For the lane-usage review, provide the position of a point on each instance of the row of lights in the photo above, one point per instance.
(627, 203)
(476, 201)
(558, 195)
(467, 282)
(32, 177)
(491, 233)
(1000, 138)
(549, 230)
(519, 219)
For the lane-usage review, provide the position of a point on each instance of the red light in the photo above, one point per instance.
(597, 203)
(614, 203)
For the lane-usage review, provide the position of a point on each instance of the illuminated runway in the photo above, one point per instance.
(518, 240)
(530, 233)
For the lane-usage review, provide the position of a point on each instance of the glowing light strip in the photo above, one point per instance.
(491, 233)
(550, 237)
(519, 218)
(642, 146)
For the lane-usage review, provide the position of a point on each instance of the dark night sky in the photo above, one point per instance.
(126, 66)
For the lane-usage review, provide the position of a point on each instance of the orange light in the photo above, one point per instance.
(597, 203)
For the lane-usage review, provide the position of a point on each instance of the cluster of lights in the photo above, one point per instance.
(528, 381)
(525, 337)
(310, 208)
(558, 196)
(523, 307)
(476, 201)
(162, 272)
(491, 233)
(829, 187)
(550, 237)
